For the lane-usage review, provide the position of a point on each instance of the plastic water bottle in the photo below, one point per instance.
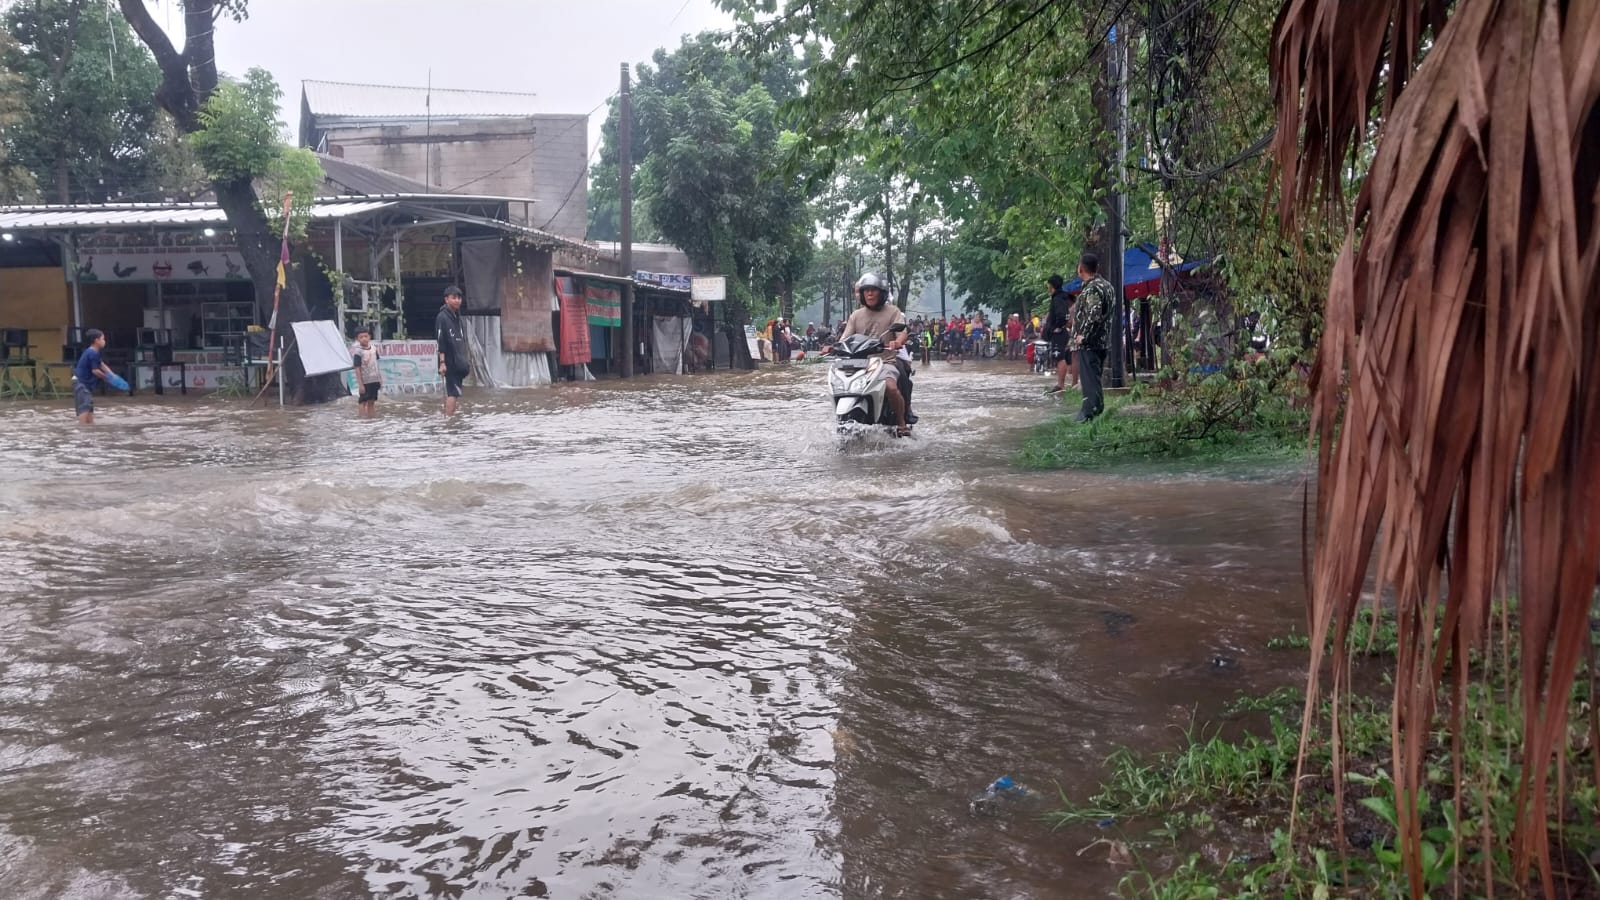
(991, 799)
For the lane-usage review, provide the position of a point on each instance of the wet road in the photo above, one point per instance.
(666, 639)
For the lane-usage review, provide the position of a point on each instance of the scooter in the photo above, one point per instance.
(858, 382)
(1042, 363)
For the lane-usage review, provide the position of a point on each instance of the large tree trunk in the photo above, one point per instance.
(187, 80)
(259, 247)
(888, 240)
(909, 269)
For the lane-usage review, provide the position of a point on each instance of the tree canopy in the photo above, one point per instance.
(90, 129)
(708, 136)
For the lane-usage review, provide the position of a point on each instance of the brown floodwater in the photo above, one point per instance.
(663, 639)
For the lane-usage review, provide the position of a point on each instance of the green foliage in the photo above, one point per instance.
(294, 170)
(1372, 632)
(1001, 124)
(1158, 802)
(707, 138)
(78, 111)
(240, 135)
(17, 184)
(1206, 769)
(242, 139)
(1131, 433)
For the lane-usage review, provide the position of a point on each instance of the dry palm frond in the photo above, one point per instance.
(1457, 391)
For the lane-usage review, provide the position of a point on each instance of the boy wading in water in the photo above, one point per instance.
(455, 360)
(90, 366)
(368, 375)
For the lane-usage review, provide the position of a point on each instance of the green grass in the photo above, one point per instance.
(1370, 633)
(1234, 793)
(1132, 433)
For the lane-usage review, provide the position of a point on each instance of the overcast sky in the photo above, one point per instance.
(566, 51)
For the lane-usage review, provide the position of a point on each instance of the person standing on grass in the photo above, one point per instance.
(455, 358)
(1089, 323)
(368, 375)
(1058, 331)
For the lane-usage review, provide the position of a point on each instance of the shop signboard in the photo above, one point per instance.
(708, 287)
(167, 256)
(665, 279)
(409, 367)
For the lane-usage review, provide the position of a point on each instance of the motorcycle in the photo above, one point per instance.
(857, 381)
(1042, 363)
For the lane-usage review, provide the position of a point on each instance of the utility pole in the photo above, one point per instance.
(1117, 70)
(625, 192)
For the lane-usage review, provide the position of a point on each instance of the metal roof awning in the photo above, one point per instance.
(438, 207)
(620, 280)
(157, 215)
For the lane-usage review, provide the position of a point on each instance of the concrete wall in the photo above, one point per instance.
(41, 301)
(646, 258)
(544, 157)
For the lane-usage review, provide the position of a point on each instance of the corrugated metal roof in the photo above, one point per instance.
(176, 215)
(380, 101)
(355, 178)
(123, 215)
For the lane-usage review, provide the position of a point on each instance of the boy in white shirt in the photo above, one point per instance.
(368, 375)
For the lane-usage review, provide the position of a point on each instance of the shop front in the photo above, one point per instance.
(172, 296)
(169, 288)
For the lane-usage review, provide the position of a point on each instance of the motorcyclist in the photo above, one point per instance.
(876, 317)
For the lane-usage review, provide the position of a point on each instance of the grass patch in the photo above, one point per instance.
(1211, 818)
(1371, 633)
(1142, 430)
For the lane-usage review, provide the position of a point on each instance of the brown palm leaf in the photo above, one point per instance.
(1457, 389)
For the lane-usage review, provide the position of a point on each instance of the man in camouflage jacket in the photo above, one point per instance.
(1095, 306)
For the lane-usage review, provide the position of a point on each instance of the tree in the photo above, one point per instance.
(17, 183)
(999, 113)
(1457, 396)
(708, 139)
(93, 130)
(189, 91)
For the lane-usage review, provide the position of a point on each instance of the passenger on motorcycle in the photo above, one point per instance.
(876, 317)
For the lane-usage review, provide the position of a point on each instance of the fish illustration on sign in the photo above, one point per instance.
(198, 268)
(121, 271)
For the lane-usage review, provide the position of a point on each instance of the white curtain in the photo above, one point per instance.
(671, 340)
(494, 367)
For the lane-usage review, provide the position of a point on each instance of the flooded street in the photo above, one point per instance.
(666, 639)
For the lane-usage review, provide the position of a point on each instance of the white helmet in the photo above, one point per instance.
(871, 280)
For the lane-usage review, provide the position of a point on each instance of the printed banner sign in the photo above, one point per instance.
(409, 367)
(604, 303)
(132, 258)
(665, 279)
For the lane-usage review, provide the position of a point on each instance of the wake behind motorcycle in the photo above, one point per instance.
(858, 378)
